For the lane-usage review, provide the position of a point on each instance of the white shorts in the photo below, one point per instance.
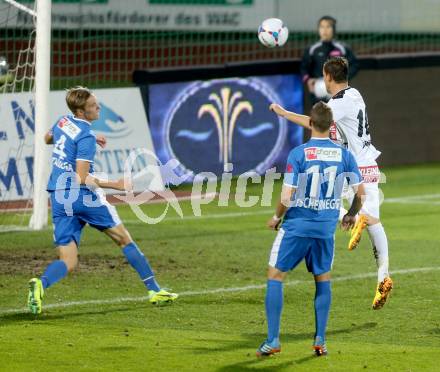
(371, 206)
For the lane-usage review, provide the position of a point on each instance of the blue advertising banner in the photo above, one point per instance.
(208, 125)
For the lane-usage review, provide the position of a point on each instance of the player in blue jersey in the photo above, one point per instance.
(309, 207)
(77, 199)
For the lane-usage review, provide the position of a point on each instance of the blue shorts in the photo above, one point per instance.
(73, 209)
(289, 250)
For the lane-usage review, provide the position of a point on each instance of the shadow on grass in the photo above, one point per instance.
(256, 365)
(117, 348)
(254, 339)
(26, 317)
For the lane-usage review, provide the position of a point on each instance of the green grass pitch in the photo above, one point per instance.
(99, 320)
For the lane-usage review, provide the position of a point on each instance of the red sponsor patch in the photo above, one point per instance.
(311, 153)
(370, 174)
(333, 132)
(62, 122)
(289, 168)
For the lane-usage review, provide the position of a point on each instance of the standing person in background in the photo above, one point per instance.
(317, 54)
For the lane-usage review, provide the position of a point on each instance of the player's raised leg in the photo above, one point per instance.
(379, 243)
(54, 272)
(139, 262)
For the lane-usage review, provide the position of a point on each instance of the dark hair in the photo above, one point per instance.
(77, 97)
(331, 20)
(321, 117)
(337, 68)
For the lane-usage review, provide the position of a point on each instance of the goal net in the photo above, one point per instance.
(24, 87)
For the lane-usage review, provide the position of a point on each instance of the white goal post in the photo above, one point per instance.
(42, 87)
(28, 77)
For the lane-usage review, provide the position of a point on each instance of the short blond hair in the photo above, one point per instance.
(77, 97)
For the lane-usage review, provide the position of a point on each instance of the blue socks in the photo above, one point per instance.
(274, 306)
(138, 261)
(323, 299)
(56, 271)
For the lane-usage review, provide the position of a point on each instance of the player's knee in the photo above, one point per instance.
(372, 220)
(275, 274)
(323, 277)
(119, 235)
(123, 239)
(69, 254)
(71, 261)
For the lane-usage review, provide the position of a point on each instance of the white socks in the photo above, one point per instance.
(380, 249)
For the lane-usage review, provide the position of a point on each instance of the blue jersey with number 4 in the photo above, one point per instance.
(73, 140)
(317, 170)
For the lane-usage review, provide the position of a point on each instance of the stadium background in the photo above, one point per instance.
(100, 43)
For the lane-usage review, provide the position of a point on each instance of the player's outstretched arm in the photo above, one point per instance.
(302, 120)
(85, 178)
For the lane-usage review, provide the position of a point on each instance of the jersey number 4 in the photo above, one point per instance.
(59, 147)
(361, 126)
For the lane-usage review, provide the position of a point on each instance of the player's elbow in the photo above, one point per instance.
(286, 200)
(48, 139)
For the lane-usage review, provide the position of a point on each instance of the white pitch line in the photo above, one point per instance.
(209, 216)
(415, 199)
(412, 199)
(115, 301)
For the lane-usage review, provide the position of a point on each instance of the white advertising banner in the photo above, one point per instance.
(122, 120)
(212, 15)
(236, 15)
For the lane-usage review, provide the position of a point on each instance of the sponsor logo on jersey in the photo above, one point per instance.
(323, 154)
(62, 122)
(370, 174)
(69, 128)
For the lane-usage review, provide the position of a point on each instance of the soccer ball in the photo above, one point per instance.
(320, 90)
(273, 33)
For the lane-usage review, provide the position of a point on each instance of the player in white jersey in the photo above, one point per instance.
(351, 129)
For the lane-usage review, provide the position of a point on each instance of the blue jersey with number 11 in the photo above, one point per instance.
(317, 170)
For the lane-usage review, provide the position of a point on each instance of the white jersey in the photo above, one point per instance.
(350, 127)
